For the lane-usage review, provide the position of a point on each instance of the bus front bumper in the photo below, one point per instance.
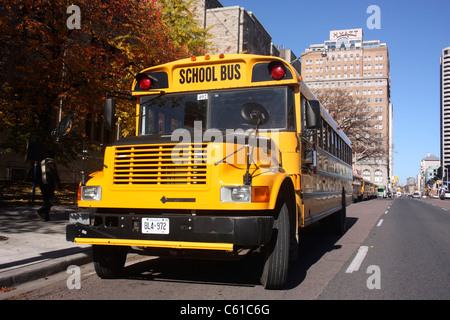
(184, 232)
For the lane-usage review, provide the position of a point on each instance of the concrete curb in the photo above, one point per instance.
(44, 269)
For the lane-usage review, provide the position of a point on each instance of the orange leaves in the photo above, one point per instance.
(45, 65)
(6, 289)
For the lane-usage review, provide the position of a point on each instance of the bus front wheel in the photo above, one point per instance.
(276, 253)
(109, 261)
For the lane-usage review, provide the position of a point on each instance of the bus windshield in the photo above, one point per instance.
(215, 109)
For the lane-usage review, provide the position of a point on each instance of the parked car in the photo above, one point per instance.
(416, 194)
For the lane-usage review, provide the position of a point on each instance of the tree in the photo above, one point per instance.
(349, 113)
(185, 32)
(46, 67)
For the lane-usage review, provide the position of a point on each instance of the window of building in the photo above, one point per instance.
(366, 175)
(378, 176)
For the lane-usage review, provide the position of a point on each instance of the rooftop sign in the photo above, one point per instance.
(349, 33)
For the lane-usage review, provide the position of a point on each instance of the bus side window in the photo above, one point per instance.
(291, 110)
(311, 137)
(319, 136)
(324, 135)
(302, 112)
(328, 148)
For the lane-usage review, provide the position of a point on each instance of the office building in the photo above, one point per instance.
(445, 107)
(347, 61)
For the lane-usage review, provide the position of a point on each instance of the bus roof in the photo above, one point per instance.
(212, 72)
(224, 71)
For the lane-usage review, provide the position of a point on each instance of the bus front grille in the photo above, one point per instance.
(160, 164)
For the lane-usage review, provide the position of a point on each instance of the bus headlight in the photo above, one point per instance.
(91, 193)
(236, 194)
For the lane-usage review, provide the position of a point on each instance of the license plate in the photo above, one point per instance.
(155, 225)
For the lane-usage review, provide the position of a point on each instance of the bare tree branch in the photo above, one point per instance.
(354, 118)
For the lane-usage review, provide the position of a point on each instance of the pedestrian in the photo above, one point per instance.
(48, 178)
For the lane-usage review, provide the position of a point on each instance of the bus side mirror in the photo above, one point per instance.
(62, 129)
(64, 126)
(312, 113)
(255, 114)
(109, 113)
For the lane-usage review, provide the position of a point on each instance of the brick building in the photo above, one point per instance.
(233, 29)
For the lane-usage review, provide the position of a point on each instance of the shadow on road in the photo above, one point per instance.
(314, 244)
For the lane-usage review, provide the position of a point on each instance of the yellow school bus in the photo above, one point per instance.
(233, 155)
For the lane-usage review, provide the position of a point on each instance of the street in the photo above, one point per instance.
(411, 250)
(393, 249)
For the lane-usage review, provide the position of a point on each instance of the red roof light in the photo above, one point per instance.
(145, 83)
(277, 72)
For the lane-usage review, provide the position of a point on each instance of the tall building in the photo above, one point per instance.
(445, 107)
(233, 29)
(347, 62)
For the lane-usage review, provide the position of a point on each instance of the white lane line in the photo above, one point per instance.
(380, 222)
(356, 263)
(386, 212)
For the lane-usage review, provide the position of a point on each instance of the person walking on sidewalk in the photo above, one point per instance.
(47, 178)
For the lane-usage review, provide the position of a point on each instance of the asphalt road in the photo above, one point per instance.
(409, 253)
(406, 254)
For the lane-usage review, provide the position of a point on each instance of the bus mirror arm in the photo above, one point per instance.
(311, 158)
(123, 94)
(257, 115)
(63, 128)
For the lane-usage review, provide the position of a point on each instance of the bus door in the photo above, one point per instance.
(309, 165)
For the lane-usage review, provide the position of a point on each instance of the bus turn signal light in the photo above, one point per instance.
(260, 194)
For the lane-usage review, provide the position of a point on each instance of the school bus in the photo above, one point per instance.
(233, 155)
(358, 188)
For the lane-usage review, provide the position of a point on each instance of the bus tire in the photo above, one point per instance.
(338, 219)
(276, 252)
(109, 261)
(335, 223)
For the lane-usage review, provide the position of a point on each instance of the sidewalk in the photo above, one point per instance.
(31, 249)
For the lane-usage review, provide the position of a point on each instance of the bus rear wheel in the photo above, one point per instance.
(336, 223)
(276, 253)
(109, 261)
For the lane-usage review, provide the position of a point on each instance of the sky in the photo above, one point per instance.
(415, 32)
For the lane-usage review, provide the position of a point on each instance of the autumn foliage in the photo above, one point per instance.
(47, 69)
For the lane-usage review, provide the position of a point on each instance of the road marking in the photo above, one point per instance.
(386, 212)
(380, 222)
(356, 263)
